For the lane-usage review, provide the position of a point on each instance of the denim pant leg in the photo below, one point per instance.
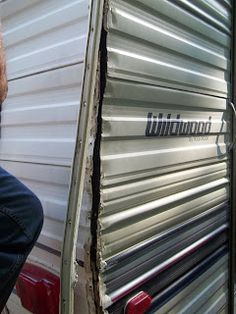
(21, 219)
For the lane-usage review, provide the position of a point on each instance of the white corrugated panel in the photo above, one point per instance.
(164, 146)
(41, 35)
(39, 117)
(45, 49)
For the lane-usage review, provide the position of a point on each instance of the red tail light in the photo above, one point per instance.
(138, 304)
(38, 290)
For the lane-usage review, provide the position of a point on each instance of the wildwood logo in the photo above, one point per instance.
(161, 126)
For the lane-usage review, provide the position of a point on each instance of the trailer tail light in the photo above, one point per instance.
(138, 304)
(38, 290)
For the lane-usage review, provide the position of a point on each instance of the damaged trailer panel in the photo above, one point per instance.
(149, 201)
(164, 198)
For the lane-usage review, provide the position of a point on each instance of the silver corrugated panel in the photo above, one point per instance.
(164, 189)
(172, 47)
(207, 294)
(45, 49)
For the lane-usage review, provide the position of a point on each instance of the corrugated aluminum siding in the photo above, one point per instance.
(206, 294)
(45, 49)
(163, 198)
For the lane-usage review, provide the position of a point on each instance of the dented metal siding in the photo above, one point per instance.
(164, 192)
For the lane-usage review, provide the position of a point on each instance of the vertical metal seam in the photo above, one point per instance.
(96, 178)
(68, 261)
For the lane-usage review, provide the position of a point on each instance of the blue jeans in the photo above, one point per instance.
(21, 219)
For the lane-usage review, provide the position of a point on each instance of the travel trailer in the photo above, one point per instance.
(120, 117)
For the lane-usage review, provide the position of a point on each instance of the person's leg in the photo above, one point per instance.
(21, 219)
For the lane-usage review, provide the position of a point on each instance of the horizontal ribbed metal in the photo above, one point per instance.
(207, 294)
(186, 280)
(41, 111)
(168, 277)
(147, 44)
(45, 49)
(162, 192)
(41, 35)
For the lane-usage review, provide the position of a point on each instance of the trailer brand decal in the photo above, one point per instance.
(161, 126)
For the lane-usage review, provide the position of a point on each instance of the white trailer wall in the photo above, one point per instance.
(45, 47)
